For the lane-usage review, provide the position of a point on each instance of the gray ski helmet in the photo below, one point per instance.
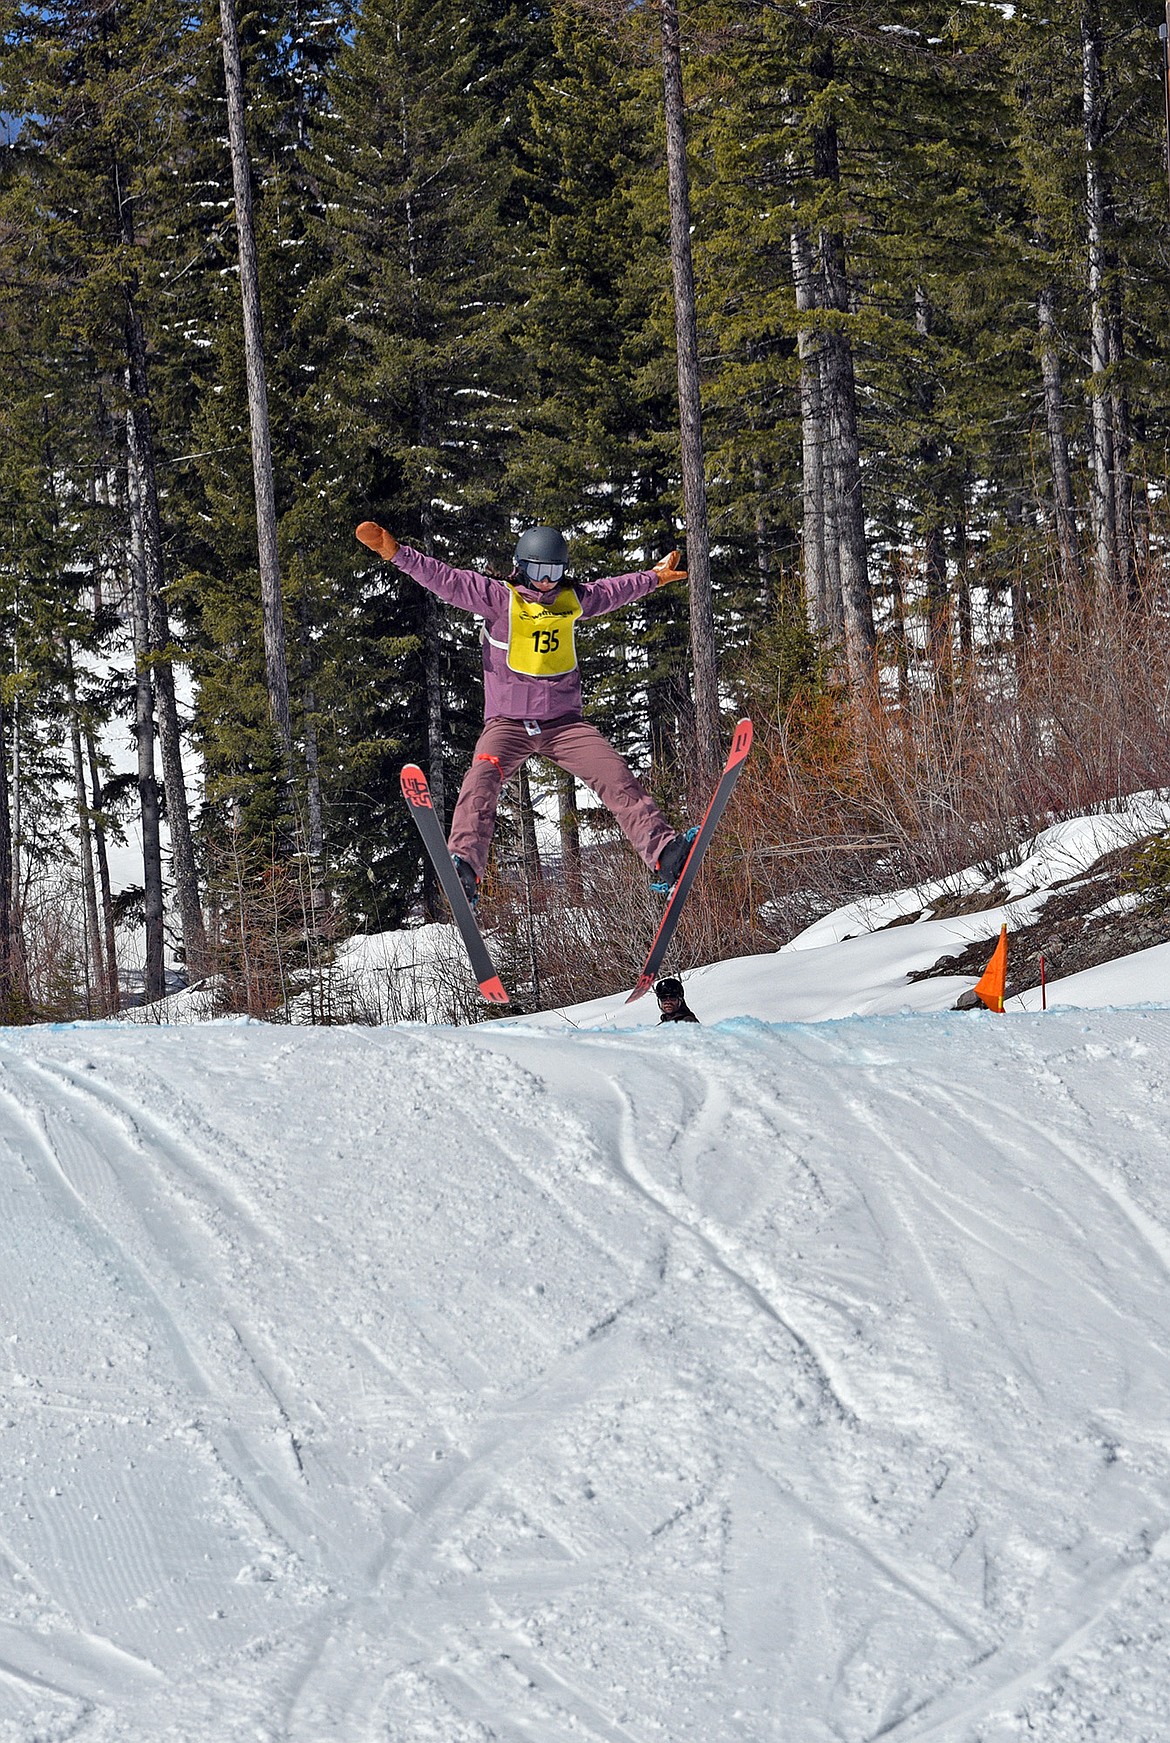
(541, 554)
(541, 545)
(670, 988)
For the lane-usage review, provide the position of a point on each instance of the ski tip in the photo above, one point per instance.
(741, 743)
(645, 982)
(492, 991)
(414, 786)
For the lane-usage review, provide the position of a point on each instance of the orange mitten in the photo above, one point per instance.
(668, 571)
(378, 539)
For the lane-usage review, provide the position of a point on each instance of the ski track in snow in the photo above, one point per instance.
(791, 1384)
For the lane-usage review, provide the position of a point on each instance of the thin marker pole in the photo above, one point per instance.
(1164, 33)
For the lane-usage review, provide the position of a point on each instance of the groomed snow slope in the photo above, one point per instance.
(664, 1386)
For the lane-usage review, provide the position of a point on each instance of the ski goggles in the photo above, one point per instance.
(541, 574)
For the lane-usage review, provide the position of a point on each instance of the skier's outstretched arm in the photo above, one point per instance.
(598, 597)
(465, 588)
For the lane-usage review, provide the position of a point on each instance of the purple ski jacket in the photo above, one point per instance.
(511, 695)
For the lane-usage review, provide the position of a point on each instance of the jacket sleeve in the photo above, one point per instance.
(465, 588)
(598, 597)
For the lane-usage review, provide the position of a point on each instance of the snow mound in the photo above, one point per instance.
(857, 960)
(727, 1383)
(853, 962)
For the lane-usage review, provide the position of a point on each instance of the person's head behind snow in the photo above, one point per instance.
(672, 1002)
(541, 557)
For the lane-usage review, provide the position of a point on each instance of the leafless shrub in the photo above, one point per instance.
(842, 800)
(413, 976)
(553, 951)
(54, 967)
(270, 937)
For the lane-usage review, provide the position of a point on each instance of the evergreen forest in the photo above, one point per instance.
(864, 308)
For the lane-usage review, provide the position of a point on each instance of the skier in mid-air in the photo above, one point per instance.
(532, 691)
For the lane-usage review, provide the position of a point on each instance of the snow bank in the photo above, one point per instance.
(856, 960)
(1057, 854)
(852, 962)
(416, 975)
(739, 1383)
(1140, 979)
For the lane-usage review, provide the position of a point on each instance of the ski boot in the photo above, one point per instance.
(468, 879)
(674, 857)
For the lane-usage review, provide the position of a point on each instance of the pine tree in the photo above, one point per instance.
(597, 446)
(416, 183)
(285, 55)
(96, 90)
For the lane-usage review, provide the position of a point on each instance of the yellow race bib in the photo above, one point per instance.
(541, 639)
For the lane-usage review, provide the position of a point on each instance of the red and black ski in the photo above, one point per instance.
(418, 796)
(740, 745)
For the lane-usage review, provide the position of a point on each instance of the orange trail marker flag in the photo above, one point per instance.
(990, 985)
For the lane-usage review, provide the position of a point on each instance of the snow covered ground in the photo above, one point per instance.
(747, 1382)
(855, 961)
(420, 974)
(571, 1378)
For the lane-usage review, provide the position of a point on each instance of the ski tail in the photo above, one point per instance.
(741, 744)
(417, 794)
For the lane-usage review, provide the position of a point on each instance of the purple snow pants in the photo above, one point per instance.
(572, 744)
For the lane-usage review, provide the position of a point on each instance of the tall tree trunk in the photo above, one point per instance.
(113, 988)
(703, 657)
(154, 976)
(1063, 500)
(18, 955)
(569, 824)
(271, 597)
(140, 438)
(812, 432)
(1102, 495)
(834, 599)
(183, 873)
(856, 596)
(841, 403)
(1122, 449)
(95, 984)
(7, 904)
(938, 633)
